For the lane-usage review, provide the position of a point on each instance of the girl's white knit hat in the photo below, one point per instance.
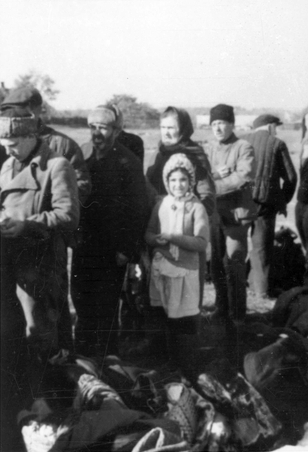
(179, 161)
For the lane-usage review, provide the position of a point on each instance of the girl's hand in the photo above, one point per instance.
(161, 239)
(165, 236)
(223, 171)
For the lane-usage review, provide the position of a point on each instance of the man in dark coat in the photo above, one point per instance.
(274, 165)
(111, 231)
(132, 142)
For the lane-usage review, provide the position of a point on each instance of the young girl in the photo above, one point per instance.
(178, 230)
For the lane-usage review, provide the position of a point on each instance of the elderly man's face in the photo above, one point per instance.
(19, 147)
(222, 130)
(102, 135)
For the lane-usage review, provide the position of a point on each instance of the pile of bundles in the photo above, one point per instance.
(131, 409)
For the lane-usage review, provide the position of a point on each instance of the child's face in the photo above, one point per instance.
(178, 184)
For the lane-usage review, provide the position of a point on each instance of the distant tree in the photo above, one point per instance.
(43, 82)
(136, 114)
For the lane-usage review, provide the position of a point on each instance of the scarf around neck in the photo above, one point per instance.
(182, 147)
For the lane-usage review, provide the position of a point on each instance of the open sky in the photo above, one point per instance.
(252, 53)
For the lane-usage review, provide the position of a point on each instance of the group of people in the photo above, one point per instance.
(97, 201)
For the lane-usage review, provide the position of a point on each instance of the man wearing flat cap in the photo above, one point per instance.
(29, 97)
(111, 230)
(233, 171)
(274, 187)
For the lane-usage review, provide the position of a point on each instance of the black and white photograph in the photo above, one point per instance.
(154, 225)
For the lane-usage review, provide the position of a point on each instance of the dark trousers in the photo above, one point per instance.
(262, 238)
(96, 287)
(228, 267)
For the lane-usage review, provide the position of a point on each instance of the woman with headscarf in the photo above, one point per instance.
(176, 129)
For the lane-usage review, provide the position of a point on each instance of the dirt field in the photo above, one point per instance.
(151, 138)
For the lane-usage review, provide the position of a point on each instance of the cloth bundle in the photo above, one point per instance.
(182, 409)
(245, 418)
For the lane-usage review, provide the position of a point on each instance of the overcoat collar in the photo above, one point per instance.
(26, 179)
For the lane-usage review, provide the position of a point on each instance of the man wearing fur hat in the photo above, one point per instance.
(274, 188)
(233, 170)
(111, 230)
(29, 97)
(38, 207)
